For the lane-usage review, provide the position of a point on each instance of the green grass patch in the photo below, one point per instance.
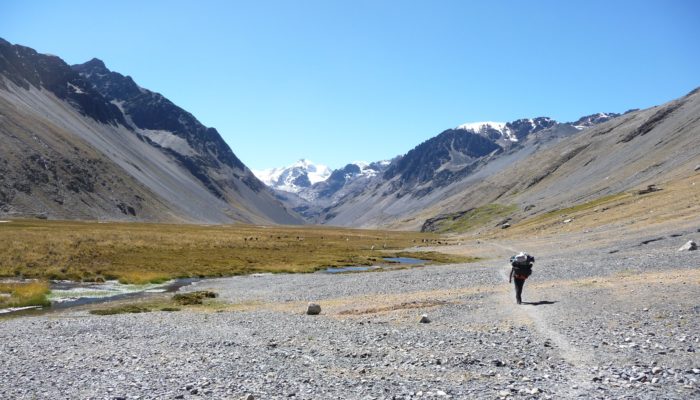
(472, 219)
(24, 294)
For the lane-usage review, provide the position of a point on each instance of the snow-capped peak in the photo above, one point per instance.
(478, 126)
(593, 119)
(485, 126)
(293, 178)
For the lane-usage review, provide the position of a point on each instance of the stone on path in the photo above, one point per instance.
(313, 309)
(250, 397)
(690, 246)
(424, 319)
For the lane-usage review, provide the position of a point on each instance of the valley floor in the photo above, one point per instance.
(613, 320)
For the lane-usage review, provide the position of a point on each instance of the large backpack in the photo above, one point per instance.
(522, 264)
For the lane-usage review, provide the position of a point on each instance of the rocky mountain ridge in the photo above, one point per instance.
(88, 143)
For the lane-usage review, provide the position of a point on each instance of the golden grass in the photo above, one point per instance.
(23, 294)
(140, 253)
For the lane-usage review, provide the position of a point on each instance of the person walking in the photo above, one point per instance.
(521, 264)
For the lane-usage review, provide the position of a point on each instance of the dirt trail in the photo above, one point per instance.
(580, 361)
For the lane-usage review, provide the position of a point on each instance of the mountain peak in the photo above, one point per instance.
(593, 119)
(479, 126)
(301, 174)
(491, 130)
(95, 63)
(94, 66)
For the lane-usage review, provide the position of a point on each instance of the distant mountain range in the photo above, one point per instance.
(524, 167)
(481, 163)
(84, 142)
(446, 158)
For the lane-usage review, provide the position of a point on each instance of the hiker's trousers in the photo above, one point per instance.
(519, 289)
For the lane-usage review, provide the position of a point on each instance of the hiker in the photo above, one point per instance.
(522, 269)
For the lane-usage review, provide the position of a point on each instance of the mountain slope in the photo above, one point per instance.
(432, 170)
(656, 146)
(536, 165)
(153, 159)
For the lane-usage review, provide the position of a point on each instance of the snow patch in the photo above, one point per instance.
(482, 127)
(75, 89)
(169, 140)
(478, 126)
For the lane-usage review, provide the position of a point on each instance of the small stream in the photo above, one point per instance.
(364, 268)
(67, 294)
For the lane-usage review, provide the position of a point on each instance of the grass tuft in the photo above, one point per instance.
(192, 298)
(24, 294)
(123, 309)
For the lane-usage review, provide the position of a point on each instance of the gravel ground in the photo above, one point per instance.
(624, 324)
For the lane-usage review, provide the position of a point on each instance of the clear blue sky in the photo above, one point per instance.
(337, 82)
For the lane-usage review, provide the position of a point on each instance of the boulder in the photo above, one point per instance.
(313, 309)
(690, 246)
(424, 319)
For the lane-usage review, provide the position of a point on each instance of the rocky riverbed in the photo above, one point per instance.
(609, 323)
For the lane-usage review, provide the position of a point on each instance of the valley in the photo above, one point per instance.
(605, 316)
(206, 271)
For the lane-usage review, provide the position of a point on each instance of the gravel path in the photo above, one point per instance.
(615, 325)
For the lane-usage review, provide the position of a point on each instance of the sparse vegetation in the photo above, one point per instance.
(142, 253)
(192, 298)
(23, 294)
(122, 309)
(171, 304)
(556, 215)
(472, 219)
